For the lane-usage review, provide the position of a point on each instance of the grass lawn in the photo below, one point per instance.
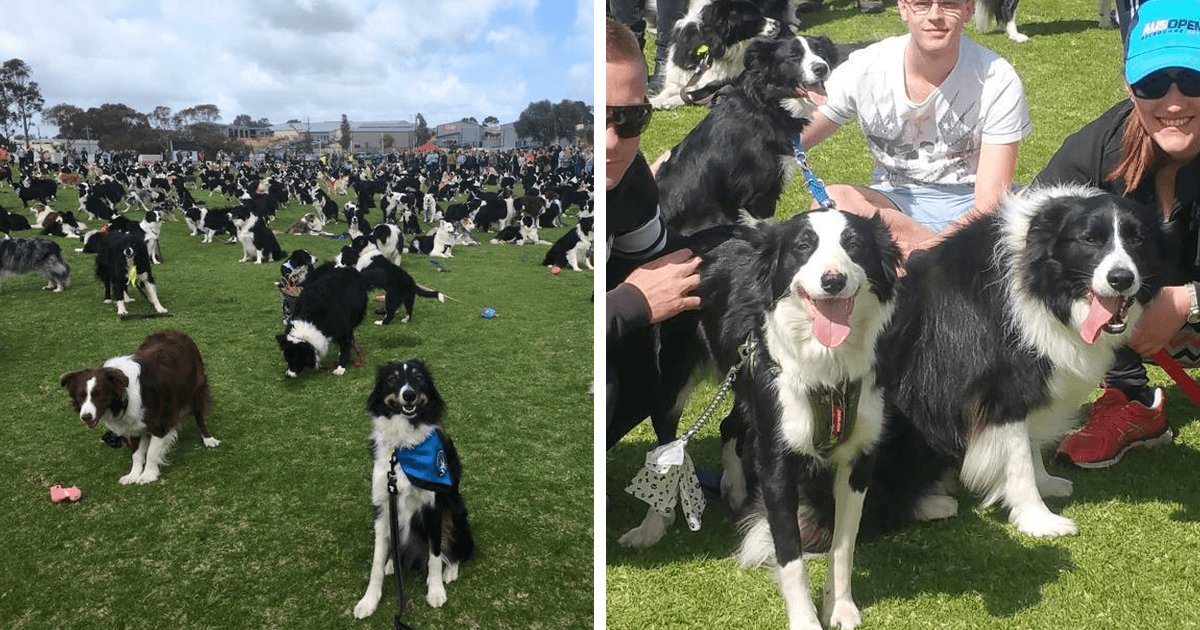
(273, 528)
(1133, 564)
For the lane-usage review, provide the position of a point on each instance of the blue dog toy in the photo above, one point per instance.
(439, 265)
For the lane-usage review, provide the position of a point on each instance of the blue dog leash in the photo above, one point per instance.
(815, 186)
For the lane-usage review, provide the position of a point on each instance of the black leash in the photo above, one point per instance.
(395, 523)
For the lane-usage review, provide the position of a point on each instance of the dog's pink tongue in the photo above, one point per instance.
(1100, 312)
(831, 320)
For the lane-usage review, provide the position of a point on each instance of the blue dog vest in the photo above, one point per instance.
(425, 464)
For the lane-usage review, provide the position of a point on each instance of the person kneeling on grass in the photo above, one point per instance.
(1145, 148)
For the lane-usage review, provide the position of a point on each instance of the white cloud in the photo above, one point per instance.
(285, 59)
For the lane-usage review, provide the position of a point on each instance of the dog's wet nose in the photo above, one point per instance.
(1120, 279)
(408, 395)
(833, 282)
(821, 70)
(85, 416)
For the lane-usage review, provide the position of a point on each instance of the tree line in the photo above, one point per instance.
(118, 127)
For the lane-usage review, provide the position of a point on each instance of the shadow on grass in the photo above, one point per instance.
(974, 553)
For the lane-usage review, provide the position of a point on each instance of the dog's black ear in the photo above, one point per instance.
(281, 339)
(825, 48)
(758, 57)
(889, 257)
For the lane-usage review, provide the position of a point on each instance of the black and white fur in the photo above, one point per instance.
(405, 407)
(711, 39)
(381, 273)
(525, 231)
(258, 241)
(331, 304)
(814, 293)
(572, 247)
(1004, 12)
(1000, 334)
(116, 253)
(151, 226)
(708, 180)
(440, 242)
(19, 256)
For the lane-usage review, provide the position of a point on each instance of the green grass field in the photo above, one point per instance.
(1134, 562)
(273, 528)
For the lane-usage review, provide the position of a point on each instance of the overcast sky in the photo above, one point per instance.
(306, 59)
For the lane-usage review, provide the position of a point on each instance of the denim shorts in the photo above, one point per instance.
(933, 207)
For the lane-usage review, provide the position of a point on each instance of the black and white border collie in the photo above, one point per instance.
(145, 393)
(707, 46)
(331, 304)
(258, 241)
(707, 181)
(388, 239)
(812, 295)
(525, 231)
(381, 273)
(151, 225)
(1000, 334)
(409, 441)
(19, 256)
(116, 254)
(572, 247)
(439, 242)
(209, 222)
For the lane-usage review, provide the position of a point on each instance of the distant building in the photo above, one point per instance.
(464, 133)
(246, 133)
(367, 137)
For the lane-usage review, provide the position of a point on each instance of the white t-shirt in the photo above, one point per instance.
(982, 101)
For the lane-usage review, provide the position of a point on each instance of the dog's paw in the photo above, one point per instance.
(129, 479)
(1042, 523)
(379, 322)
(842, 615)
(339, 370)
(147, 476)
(650, 531)
(388, 567)
(450, 572)
(211, 442)
(436, 596)
(935, 507)
(1056, 487)
(366, 606)
(161, 310)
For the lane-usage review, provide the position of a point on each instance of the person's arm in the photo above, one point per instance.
(654, 292)
(817, 130)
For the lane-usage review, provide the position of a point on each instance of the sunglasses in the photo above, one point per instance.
(1157, 84)
(629, 121)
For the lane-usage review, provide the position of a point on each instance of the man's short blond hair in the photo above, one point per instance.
(621, 45)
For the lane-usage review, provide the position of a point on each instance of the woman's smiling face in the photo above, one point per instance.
(1173, 121)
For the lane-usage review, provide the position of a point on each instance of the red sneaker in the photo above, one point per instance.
(1115, 425)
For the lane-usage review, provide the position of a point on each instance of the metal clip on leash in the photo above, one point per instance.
(815, 186)
(395, 525)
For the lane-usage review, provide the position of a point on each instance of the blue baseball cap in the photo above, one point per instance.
(1166, 34)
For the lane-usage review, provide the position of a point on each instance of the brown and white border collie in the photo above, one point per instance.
(147, 392)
